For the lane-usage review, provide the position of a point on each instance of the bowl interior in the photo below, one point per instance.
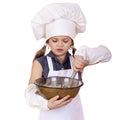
(59, 82)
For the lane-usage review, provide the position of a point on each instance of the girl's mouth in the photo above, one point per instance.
(60, 50)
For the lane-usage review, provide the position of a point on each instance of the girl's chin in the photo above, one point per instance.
(59, 53)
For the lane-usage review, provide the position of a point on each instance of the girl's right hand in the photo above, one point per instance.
(55, 102)
(79, 63)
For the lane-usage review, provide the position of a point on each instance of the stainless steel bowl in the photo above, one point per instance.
(61, 86)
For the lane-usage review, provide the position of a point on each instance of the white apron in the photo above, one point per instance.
(71, 111)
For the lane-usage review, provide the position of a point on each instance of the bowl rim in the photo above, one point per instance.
(59, 88)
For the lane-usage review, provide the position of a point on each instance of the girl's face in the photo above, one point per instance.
(59, 45)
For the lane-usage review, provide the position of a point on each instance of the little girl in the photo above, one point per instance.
(59, 24)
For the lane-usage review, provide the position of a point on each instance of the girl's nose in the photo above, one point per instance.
(60, 43)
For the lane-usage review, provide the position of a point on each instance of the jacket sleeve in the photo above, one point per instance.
(94, 55)
(33, 99)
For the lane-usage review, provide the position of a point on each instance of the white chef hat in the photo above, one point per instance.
(59, 19)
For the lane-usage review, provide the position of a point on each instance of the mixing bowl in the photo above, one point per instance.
(61, 86)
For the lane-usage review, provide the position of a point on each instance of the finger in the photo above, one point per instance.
(78, 57)
(54, 98)
(81, 59)
(78, 66)
(85, 62)
(75, 69)
(64, 98)
(79, 62)
(81, 70)
(64, 101)
(82, 64)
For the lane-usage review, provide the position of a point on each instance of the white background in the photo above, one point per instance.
(100, 94)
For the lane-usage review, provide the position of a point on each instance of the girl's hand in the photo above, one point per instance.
(79, 63)
(55, 102)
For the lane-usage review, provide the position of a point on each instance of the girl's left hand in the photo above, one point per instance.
(79, 63)
(55, 102)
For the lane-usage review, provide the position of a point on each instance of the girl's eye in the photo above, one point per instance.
(54, 40)
(65, 40)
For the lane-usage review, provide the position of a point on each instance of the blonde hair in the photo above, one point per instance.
(42, 51)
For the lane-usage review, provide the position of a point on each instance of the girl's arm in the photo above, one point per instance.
(85, 56)
(36, 71)
(33, 99)
(94, 55)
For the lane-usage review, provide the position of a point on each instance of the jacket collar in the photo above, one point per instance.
(51, 54)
